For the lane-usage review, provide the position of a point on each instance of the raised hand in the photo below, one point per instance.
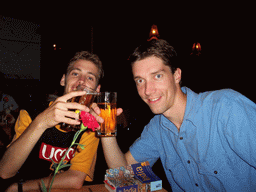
(62, 111)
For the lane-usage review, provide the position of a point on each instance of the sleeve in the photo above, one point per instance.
(85, 160)
(23, 121)
(145, 147)
(240, 129)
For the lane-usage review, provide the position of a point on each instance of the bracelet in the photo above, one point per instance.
(20, 186)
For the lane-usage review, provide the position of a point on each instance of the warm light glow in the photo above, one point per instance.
(54, 45)
(196, 46)
(196, 49)
(153, 33)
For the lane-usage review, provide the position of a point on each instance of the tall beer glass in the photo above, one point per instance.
(106, 101)
(86, 100)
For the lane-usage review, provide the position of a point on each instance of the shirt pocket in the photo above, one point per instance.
(177, 171)
(211, 175)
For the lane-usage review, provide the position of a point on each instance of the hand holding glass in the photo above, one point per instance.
(86, 100)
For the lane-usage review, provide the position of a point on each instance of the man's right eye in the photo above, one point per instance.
(74, 74)
(139, 81)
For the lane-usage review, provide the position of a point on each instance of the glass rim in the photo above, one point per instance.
(88, 90)
(108, 92)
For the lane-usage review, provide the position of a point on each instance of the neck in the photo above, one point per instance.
(177, 112)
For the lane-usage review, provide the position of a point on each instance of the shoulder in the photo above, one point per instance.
(22, 123)
(220, 94)
(224, 97)
(154, 122)
(228, 103)
(211, 99)
(220, 103)
(156, 119)
(24, 116)
(152, 128)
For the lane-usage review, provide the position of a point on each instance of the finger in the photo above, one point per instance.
(76, 106)
(71, 121)
(97, 117)
(70, 95)
(71, 115)
(51, 118)
(95, 108)
(119, 111)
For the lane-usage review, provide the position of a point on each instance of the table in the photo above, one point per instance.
(86, 188)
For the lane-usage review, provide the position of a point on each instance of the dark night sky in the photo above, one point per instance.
(225, 31)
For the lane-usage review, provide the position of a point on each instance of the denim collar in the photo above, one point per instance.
(192, 106)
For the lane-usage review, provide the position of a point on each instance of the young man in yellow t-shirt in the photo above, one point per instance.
(41, 139)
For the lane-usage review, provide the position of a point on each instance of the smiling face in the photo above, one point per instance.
(156, 84)
(82, 72)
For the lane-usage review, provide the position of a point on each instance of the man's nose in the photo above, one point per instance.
(82, 80)
(149, 88)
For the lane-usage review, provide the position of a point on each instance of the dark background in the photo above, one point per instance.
(225, 31)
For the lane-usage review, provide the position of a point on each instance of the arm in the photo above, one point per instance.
(20, 148)
(113, 155)
(145, 148)
(68, 179)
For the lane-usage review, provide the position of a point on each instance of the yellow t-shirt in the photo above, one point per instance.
(84, 160)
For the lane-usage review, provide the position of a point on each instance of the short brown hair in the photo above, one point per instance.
(85, 55)
(159, 48)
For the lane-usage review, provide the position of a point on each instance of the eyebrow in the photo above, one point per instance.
(153, 73)
(161, 70)
(97, 77)
(75, 68)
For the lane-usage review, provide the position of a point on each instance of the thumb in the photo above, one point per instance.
(119, 111)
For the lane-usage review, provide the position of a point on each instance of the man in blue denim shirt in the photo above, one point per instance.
(214, 149)
(206, 142)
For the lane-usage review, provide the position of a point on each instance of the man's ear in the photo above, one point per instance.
(98, 88)
(62, 81)
(177, 75)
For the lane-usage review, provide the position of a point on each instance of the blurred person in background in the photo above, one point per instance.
(9, 110)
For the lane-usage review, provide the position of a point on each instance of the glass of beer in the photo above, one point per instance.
(106, 101)
(86, 100)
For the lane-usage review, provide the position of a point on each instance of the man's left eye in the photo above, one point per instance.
(158, 76)
(90, 78)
